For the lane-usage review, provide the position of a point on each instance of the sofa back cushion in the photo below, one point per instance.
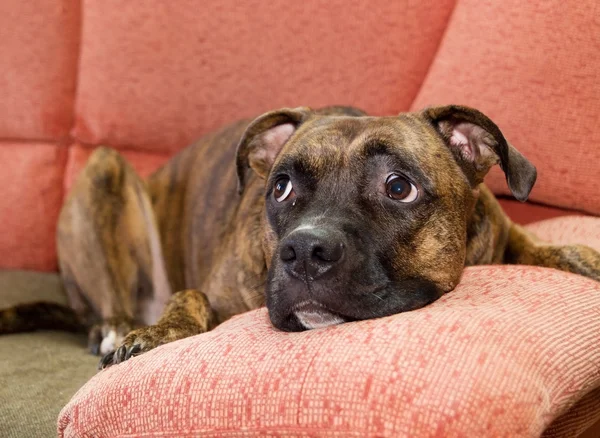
(157, 74)
(149, 77)
(533, 68)
(38, 62)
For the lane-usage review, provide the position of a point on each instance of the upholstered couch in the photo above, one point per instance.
(148, 77)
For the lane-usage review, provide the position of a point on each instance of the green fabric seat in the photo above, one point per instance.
(39, 371)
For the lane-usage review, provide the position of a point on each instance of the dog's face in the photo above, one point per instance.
(367, 216)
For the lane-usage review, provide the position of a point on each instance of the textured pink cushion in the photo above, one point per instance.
(31, 181)
(39, 44)
(533, 68)
(569, 230)
(508, 351)
(159, 74)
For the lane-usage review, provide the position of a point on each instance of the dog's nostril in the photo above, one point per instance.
(328, 254)
(287, 253)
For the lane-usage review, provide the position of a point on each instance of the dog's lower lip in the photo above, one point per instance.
(312, 315)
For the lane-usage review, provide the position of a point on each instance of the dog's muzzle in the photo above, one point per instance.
(311, 257)
(322, 277)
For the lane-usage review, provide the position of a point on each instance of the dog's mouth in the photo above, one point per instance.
(354, 293)
(313, 315)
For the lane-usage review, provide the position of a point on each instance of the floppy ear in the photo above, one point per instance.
(263, 140)
(478, 144)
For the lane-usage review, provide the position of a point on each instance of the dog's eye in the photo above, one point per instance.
(282, 189)
(400, 189)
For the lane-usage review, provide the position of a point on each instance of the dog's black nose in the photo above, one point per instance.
(310, 253)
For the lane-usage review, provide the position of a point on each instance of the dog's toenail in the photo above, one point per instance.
(133, 351)
(106, 361)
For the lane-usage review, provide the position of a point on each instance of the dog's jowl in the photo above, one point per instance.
(326, 216)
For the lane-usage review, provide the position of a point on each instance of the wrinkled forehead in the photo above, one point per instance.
(326, 143)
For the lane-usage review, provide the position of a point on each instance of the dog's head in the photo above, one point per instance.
(367, 216)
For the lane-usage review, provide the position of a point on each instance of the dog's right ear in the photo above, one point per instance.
(263, 140)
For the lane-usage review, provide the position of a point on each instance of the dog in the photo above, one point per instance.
(326, 216)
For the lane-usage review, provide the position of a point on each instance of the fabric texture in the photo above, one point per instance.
(39, 44)
(168, 72)
(532, 67)
(149, 77)
(502, 355)
(509, 352)
(528, 212)
(39, 372)
(569, 230)
(31, 179)
(18, 287)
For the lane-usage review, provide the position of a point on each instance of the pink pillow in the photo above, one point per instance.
(569, 230)
(504, 354)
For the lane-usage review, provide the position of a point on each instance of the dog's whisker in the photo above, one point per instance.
(377, 296)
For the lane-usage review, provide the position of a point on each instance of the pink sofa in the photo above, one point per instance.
(149, 77)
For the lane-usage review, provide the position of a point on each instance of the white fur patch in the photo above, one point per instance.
(316, 320)
(314, 316)
(304, 227)
(109, 342)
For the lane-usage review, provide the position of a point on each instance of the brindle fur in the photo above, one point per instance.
(125, 245)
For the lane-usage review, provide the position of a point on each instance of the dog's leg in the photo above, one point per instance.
(109, 251)
(188, 313)
(526, 249)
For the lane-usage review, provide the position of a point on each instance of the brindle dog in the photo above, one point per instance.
(326, 216)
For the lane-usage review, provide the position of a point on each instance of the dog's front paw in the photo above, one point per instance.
(136, 342)
(105, 337)
(145, 339)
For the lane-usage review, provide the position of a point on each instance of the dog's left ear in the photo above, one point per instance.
(263, 140)
(477, 144)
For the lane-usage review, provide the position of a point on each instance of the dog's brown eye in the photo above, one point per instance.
(400, 189)
(282, 189)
